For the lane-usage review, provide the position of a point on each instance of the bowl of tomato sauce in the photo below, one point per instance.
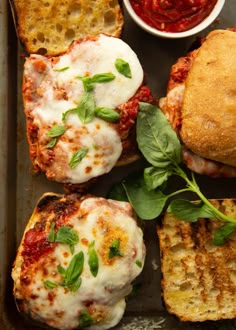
(174, 19)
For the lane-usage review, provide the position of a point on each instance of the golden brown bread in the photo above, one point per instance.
(209, 103)
(199, 279)
(49, 27)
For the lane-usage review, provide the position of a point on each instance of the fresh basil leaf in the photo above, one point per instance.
(103, 77)
(189, 211)
(66, 113)
(61, 270)
(223, 233)
(107, 114)
(75, 268)
(88, 84)
(62, 69)
(51, 143)
(139, 263)
(114, 249)
(156, 176)
(56, 131)
(51, 236)
(148, 204)
(118, 193)
(72, 274)
(67, 235)
(93, 260)
(123, 67)
(156, 139)
(77, 157)
(85, 320)
(86, 108)
(49, 284)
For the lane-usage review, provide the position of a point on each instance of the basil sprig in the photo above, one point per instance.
(72, 279)
(85, 319)
(77, 157)
(114, 249)
(161, 147)
(93, 259)
(55, 132)
(123, 67)
(65, 235)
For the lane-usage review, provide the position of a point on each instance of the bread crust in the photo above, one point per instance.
(209, 105)
(49, 28)
(198, 278)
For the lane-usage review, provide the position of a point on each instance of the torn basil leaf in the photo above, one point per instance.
(77, 157)
(114, 249)
(93, 259)
(123, 67)
(107, 114)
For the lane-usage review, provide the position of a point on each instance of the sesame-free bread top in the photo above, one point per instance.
(199, 278)
(48, 27)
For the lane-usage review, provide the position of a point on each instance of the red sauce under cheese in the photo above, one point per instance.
(172, 15)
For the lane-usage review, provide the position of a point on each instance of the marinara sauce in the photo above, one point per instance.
(173, 15)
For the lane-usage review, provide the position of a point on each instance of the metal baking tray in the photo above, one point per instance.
(20, 188)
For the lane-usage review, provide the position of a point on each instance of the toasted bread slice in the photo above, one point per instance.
(199, 278)
(49, 28)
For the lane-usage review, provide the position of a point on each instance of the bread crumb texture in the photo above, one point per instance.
(49, 27)
(199, 278)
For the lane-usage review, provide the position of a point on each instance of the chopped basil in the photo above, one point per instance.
(85, 320)
(52, 143)
(123, 67)
(51, 236)
(86, 107)
(66, 113)
(139, 263)
(107, 114)
(114, 249)
(62, 69)
(77, 157)
(93, 259)
(56, 131)
(67, 235)
(72, 274)
(49, 284)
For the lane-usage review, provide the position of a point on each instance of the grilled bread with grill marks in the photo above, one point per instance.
(49, 28)
(199, 278)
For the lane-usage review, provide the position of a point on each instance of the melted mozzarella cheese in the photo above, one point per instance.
(103, 296)
(57, 88)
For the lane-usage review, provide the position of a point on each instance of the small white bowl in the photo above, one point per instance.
(174, 35)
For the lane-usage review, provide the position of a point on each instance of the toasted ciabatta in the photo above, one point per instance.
(70, 102)
(77, 260)
(199, 278)
(49, 27)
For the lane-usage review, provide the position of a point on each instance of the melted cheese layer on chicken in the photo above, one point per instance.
(52, 86)
(40, 286)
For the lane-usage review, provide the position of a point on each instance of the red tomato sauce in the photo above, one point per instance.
(173, 15)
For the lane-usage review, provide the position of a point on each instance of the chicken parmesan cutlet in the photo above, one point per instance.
(81, 109)
(201, 104)
(77, 260)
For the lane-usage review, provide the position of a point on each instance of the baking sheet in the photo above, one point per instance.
(20, 188)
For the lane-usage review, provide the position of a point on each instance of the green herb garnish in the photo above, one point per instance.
(55, 132)
(139, 263)
(107, 114)
(62, 69)
(65, 235)
(85, 320)
(161, 147)
(114, 249)
(123, 67)
(72, 274)
(77, 157)
(93, 259)
(49, 284)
